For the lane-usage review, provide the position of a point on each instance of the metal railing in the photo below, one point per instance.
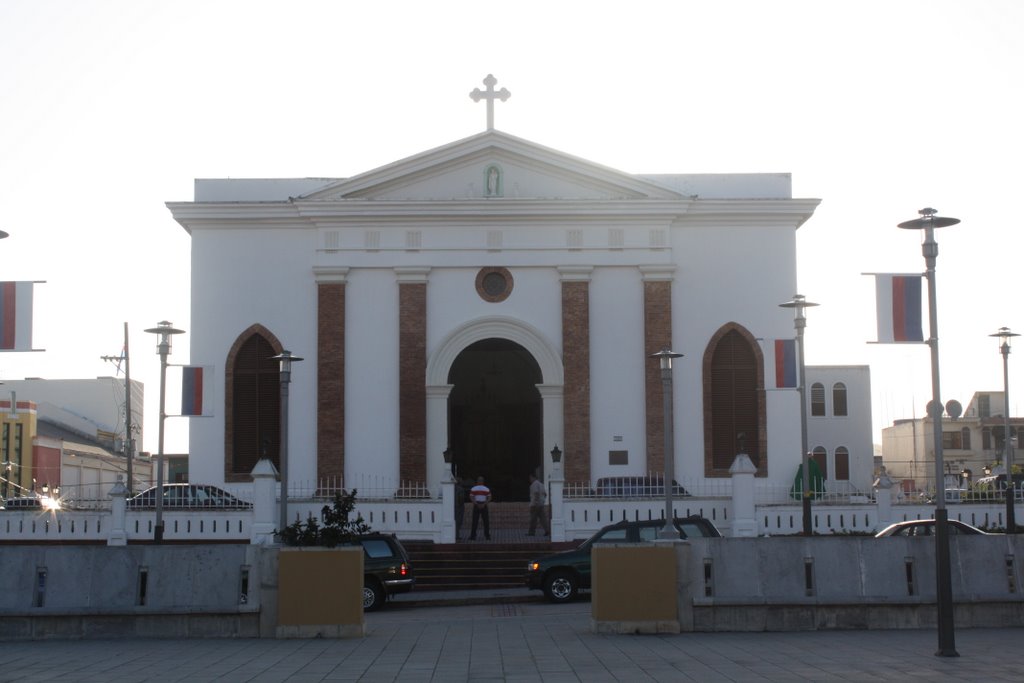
(646, 486)
(368, 487)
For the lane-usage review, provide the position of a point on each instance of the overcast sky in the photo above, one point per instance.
(879, 108)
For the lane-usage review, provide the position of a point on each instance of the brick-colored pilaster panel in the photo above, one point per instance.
(576, 360)
(657, 334)
(330, 381)
(412, 388)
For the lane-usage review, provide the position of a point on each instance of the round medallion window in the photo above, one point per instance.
(494, 284)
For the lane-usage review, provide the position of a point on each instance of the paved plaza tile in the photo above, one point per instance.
(522, 642)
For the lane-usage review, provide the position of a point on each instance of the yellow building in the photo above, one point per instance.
(19, 432)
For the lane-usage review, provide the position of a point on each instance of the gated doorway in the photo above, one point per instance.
(495, 417)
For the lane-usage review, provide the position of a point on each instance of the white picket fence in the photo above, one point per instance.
(84, 526)
(421, 518)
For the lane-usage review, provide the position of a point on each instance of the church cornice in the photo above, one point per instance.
(314, 214)
(359, 210)
(753, 212)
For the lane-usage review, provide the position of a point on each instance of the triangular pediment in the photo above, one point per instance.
(491, 165)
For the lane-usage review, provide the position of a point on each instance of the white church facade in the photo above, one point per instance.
(494, 298)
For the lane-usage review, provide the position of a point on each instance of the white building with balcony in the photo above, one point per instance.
(972, 443)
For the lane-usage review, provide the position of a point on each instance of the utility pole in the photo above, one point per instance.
(129, 439)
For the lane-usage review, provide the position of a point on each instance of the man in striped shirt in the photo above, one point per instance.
(480, 495)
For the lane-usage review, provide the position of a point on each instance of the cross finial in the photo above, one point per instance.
(490, 95)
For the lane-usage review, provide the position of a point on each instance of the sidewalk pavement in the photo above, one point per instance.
(507, 639)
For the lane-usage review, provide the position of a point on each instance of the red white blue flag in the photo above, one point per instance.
(785, 364)
(15, 316)
(899, 308)
(196, 391)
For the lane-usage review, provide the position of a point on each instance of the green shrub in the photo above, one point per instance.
(337, 527)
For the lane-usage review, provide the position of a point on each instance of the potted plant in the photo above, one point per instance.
(320, 577)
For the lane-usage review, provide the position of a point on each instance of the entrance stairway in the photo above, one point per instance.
(496, 563)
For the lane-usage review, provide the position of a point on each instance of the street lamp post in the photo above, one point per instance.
(665, 360)
(943, 581)
(286, 359)
(163, 330)
(1004, 336)
(799, 303)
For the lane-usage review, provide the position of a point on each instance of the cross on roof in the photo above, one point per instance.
(490, 95)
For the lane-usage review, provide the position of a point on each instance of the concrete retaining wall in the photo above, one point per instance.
(723, 584)
(799, 583)
(52, 591)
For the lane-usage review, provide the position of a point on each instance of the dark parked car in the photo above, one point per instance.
(189, 496)
(636, 487)
(386, 569)
(562, 575)
(926, 527)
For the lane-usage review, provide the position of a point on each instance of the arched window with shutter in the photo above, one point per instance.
(818, 400)
(839, 399)
(820, 456)
(734, 403)
(252, 397)
(842, 464)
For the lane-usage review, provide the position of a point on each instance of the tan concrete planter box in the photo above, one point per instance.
(634, 589)
(320, 593)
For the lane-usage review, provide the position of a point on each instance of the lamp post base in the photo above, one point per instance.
(808, 530)
(944, 587)
(158, 533)
(1011, 517)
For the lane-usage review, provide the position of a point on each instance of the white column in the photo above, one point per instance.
(556, 481)
(448, 510)
(118, 505)
(554, 422)
(744, 515)
(264, 503)
(554, 435)
(883, 499)
(437, 436)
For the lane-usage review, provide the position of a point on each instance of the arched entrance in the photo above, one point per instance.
(495, 416)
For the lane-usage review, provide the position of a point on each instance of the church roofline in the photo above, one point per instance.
(480, 144)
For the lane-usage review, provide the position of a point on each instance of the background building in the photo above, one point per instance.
(69, 434)
(972, 442)
(839, 431)
(16, 456)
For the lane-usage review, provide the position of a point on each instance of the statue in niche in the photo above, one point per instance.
(493, 182)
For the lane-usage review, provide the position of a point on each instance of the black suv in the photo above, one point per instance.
(562, 575)
(386, 569)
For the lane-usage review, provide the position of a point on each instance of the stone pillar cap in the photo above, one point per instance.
(264, 468)
(743, 465)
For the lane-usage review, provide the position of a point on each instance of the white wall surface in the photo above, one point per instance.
(617, 366)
